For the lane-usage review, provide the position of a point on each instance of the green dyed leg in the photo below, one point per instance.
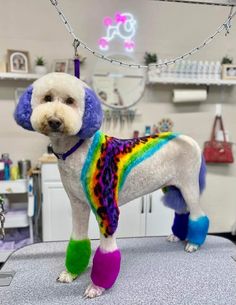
(77, 256)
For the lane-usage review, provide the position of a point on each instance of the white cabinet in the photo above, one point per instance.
(144, 216)
(132, 219)
(159, 218)
(57, 218)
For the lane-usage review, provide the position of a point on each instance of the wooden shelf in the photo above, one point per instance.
(19, 76)
(190, 81)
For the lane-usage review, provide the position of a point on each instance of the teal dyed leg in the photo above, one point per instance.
(197, 230)
(77, 256)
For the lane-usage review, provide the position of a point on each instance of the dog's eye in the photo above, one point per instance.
(48, 98)
(69, 101)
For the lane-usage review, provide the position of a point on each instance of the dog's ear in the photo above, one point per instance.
(23, 109)
(93, 115)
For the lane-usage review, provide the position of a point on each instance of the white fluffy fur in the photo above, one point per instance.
(166, 167)
(60, 86)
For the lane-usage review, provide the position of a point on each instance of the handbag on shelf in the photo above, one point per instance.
(218, 151)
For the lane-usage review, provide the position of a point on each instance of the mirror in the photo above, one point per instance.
(118, 87)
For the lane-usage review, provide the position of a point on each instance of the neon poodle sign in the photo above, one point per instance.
(122, 26)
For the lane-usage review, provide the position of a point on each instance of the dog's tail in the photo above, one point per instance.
(172, 195)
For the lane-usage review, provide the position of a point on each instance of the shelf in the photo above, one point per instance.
(14, 186)
(189, 81)
(19, 76)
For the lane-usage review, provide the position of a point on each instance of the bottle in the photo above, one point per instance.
(7, 163)
(211, 70)
(193, 70)
(205, 70)
(2, 165)
(217, 70)
(147, 130)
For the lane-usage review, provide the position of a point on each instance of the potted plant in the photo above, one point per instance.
(228, 69)
(226, 60)
(40, 67)
(150, 58)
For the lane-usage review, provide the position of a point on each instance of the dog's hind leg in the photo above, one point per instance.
(106, 267)
(173, 199)
(198, 222)
(179, 227)
(79, 249)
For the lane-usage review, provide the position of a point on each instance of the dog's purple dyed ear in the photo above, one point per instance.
(93, 115)
(23, 109)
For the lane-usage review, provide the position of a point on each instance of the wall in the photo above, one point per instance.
(168, 29)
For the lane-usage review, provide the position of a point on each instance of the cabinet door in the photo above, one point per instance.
(159, 218)
(57, 217)
(132, 218)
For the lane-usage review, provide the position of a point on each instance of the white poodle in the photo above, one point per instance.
(100, 173)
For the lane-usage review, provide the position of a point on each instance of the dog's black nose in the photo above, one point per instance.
(54, 124)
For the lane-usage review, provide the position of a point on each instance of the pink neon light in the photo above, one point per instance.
(107, 21)
(103, 43)
(120, 18)
(129, 45)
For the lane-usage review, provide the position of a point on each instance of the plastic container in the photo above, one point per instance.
(7, 162)
(24, 167)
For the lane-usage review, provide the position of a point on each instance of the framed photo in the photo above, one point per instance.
(60, 65)
(18, 61)
(229, 71)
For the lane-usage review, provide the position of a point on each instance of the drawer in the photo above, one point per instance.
(16, 219)
(50, 172)
(16, 186)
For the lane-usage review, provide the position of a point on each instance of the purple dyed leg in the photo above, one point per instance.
(106, 267)
(180, 225)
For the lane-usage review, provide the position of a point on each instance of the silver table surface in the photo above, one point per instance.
(153, 271)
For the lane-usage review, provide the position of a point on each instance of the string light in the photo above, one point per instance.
(225, 26)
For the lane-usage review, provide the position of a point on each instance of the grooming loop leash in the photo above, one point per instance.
(225, 26)
(76, 44)
(2, 219)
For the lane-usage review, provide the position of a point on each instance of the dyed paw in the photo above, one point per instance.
(190, 248)
(66, 277)
(93, 291)
(172, 238)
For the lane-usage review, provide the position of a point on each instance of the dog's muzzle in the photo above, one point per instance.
(55, 124)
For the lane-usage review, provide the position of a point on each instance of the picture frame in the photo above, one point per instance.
(60, 65)
(229, 72)
(18, 61)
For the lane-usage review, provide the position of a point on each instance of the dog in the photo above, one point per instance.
(100, 173)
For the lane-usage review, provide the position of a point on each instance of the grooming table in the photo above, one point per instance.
(153, 271)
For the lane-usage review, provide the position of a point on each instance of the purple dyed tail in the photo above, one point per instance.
(173, 197)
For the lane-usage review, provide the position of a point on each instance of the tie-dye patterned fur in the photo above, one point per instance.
(106, 168)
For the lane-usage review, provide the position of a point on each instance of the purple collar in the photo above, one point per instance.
(69, 152)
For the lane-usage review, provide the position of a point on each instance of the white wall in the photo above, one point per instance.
(168, 29)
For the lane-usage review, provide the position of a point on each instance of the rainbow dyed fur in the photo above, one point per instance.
(101, 173)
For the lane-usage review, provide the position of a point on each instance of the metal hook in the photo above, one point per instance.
(76, 44)
(54, 2)
(227, 26)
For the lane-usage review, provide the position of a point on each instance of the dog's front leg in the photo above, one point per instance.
(106, 267)
(79, 248)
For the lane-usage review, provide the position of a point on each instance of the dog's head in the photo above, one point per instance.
(57, 104)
